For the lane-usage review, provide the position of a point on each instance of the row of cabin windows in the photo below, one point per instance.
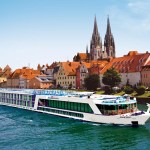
(18, 102)
(69, 77)
(61, 112)
(15, 96)
(81, 107)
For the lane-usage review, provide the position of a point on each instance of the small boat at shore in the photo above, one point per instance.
(85, 106)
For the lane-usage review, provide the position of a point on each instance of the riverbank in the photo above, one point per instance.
(143, 100)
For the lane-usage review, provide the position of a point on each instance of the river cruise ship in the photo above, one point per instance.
(85, 106)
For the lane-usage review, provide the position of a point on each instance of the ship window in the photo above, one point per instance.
(86, 108)
(75, 106)
(30, 97)
(68, 105)
(55, 105)
(113, 109)
(82, 107)
(79, 108)
(62, 105)
(72, 106)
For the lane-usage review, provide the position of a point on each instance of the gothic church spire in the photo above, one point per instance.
(108, 31)
(96, 44)
(95, 30)
(109, 43)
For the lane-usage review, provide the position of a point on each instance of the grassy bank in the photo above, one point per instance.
(145, 95)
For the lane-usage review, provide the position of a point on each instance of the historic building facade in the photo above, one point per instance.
(145, 75)
(99, 51)
(130, 68)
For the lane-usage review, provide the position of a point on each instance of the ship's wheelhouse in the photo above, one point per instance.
(116, 109)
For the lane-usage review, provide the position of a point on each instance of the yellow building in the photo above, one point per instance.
(66, 75)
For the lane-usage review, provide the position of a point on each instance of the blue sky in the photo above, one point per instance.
(43, 31)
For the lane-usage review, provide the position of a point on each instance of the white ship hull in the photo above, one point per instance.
(125, 119)
(102, 109)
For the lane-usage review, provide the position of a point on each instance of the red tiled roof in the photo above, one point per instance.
(70, 67)
(88, 65)
(128, 63)
(83, 56)
(26, 73)
(100, 63)
(54, 64)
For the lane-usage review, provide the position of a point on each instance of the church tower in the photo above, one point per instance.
(96, 44)
(109, 44)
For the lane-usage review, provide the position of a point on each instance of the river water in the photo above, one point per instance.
(27, 130)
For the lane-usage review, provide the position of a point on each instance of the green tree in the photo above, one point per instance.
(111, 78)
(70, 86)
(128, 89)
(140, 89)
(92, 82)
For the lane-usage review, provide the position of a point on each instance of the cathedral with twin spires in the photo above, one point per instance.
(98, 50)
